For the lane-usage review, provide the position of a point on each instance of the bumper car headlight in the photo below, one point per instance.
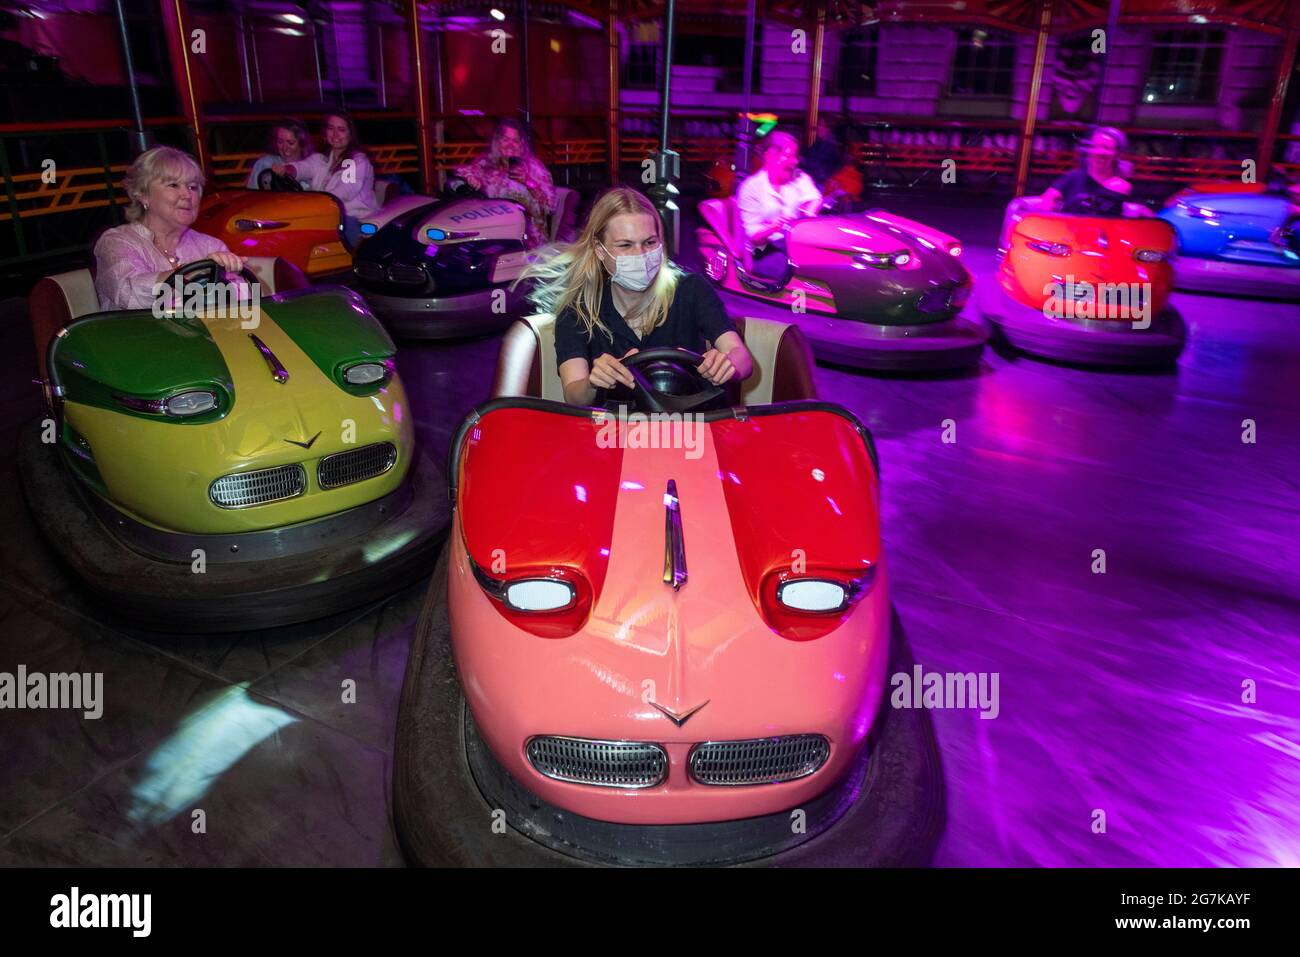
(1149, 256)
(539, 595)
(368, 229)
(191, 403)
(1051, 249)
(883, 260)
(815, 595)
(365, 373)
(1197, 212)
(954, 249)
(182, 405)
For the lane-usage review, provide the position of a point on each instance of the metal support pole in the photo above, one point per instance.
(667, 164)
(527, 99)
(139, 138)
(1112, 34)
(1031, 107)
(743, 141)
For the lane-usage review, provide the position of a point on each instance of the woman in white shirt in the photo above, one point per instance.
(344, 170)
(772, 199)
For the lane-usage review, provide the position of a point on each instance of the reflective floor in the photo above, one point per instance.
(1122, 736)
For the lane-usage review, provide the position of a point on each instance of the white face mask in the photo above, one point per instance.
(636, 272)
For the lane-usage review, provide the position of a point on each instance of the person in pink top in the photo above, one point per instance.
(164, 186)
(343, 169)
(509, 170)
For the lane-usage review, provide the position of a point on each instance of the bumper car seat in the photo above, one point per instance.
(723, 217)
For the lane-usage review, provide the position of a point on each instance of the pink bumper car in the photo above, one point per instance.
(661, 631)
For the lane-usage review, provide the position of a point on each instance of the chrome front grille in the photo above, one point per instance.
(758, 760)
(242, 489)
(606, 764)
(356, 465)
(370, 272)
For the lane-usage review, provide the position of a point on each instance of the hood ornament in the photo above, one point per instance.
(674, 543)
(305, 445)
(278, 372)
(676, 718)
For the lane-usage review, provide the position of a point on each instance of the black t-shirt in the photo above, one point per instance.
(695, 316)
(1083, 195)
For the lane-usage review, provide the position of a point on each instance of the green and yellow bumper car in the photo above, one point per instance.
(228, 469)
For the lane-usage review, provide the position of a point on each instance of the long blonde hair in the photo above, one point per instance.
(572, 275)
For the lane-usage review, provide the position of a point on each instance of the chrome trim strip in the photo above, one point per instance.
(278, 372)
(674, 542)
(248, 225)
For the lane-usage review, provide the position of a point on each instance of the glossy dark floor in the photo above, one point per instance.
(1119, 693)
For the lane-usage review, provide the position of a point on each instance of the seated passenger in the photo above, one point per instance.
(1096, 187)
(612, 293)
(771, 200)
(164, 186)
(289, 144)
(509, 170)
(344, 170)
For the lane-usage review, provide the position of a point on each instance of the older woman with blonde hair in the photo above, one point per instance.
(164, 186)
(612, 293)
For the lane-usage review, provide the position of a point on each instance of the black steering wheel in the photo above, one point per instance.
(269, 179)
(205, 272)
(459, 188)
(667, 379)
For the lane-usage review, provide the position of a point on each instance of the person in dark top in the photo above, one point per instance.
(612, 294)
(1095, 187)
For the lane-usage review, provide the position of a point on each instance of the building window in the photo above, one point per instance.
(855, 72)
(983, 63)
(641, 68)
(1185, 66)
(722, 52)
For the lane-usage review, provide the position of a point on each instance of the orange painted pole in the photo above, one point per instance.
(1031, 108)
(611, 37)
(421, 101)
(178, 50)
(1273, 121)
(815, 81)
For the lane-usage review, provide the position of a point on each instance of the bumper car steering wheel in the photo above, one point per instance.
(667, 380)
(275, 182)
(206, 272)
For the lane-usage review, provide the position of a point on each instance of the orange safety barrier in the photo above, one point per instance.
(82, 188)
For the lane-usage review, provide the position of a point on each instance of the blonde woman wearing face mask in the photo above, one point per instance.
(612, 293)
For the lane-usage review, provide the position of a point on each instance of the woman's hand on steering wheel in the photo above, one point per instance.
(717, 367)
(228, 261)
(608, 372)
